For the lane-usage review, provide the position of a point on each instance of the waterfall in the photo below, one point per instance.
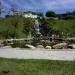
(36, 26)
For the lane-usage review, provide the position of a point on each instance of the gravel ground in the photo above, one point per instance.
(37, 54)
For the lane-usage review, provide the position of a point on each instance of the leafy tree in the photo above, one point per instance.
(50, 14)
(46, 26)
(28, 25)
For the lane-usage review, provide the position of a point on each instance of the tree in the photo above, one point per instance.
(28, 25)
(1, 9)
(45, 27)
(50, 14)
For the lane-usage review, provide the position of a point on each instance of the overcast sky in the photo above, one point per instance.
(59, 6)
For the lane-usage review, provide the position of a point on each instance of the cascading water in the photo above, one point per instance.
(36, 26)
(38, 35)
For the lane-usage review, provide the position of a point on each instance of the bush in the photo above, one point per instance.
(18, 44)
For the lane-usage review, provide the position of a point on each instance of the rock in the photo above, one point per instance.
(40, 46)
(7, 47)
(60, 46)
(0, 41)
(1, 45)
(48, 47)
(30, 46)
(71, 46)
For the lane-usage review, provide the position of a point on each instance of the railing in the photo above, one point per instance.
(19, 39)
(43, 38)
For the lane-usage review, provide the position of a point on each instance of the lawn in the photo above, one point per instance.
(36, 67)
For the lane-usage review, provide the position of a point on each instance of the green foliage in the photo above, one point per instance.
(15, 27)
(58, 26)
(65, 26)
(47, 26)
(29, 25)
(18, 44)
(67, 15)
(50, 14)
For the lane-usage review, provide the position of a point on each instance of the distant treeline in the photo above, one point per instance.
(65, 16)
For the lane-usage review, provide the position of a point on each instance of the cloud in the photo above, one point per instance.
(59, 5)
(42, 5)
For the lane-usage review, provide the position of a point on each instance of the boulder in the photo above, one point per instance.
(30, 46)
(1, 45)
(71, 46)
(48, 47)
(1, 41)
(7, 47)
(60, 46)
(40, 46)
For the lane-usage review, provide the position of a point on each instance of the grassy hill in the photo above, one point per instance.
(60, 25)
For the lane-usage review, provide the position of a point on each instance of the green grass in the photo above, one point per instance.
(36, 67)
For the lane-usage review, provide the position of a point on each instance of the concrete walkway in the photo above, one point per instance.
(37, 54)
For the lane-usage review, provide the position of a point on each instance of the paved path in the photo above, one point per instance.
(36, 54)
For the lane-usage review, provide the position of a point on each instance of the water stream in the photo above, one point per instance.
(36, 26)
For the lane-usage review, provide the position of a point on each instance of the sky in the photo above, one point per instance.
(58, 6)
